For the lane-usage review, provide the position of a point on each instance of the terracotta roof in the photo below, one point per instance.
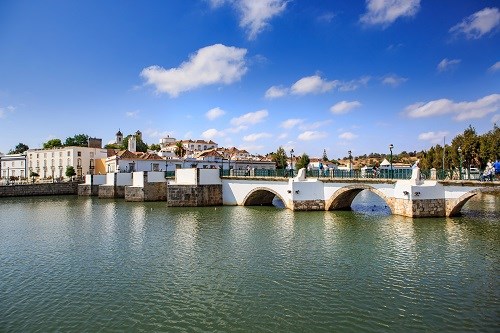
(128, 155)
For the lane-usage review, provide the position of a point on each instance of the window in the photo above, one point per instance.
(69, 153)
(91, 155)
(79, 162)
(69, 161)
(156, 167)
(13, 163)
(79, 153)
(60, 162)
(60, 154)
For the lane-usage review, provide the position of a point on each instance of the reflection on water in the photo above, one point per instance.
(84, 264)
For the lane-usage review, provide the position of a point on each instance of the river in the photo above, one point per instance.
(73, 264)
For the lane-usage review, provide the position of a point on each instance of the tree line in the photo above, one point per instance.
(467, 149)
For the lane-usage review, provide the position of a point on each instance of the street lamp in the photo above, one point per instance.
(291, 161)
(350, 163)
(390, 148)
(460, 158)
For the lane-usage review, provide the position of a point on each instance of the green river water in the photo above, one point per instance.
(73, 264)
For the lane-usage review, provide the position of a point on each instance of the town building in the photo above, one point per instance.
(52, 163)
(13, 167)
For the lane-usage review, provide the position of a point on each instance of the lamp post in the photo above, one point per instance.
(392, 171)
(291, 161)
(350, 163)
(460, 159)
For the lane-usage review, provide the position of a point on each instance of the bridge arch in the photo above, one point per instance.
(342, 198)
(455, 206)
(262, 196)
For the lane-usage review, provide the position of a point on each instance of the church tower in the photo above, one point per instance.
(119, 137)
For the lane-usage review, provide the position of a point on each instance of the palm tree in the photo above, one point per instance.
(179, 151)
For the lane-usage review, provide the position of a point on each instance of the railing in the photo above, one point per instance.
(395, 174)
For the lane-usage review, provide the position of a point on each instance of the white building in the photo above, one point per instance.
(127, 161)
(52, 163)
(13, 166)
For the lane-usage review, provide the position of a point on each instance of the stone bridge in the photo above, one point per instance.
(404, 197)
(205, 187)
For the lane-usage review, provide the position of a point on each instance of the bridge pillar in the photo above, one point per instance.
(429, 199)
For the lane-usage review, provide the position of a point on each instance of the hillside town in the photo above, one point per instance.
(75, 161)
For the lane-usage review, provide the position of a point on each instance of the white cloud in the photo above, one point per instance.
(432, 137)
(209, 65)
(344, 107)
(353, 84)
(256, 136)
(283, 136)
(317, 124)
(212, 133)
(347, 136)
(255, 15)
(236, 129)
(462, 110)
(311, 135)
(312, 85)
(132, 114)
(153, 133)
(478, 24)
(385, 12)
(290, 123)
(496, 119)
(393, 80)
(214, 113)
(250, 118)
(495, 67)
(5, 110)
(447, 64)
(276, 92)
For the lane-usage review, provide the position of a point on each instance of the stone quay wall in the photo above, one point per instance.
(150, 192)
(194, 195)
(111, 191)
(88, 190)
(39, 189)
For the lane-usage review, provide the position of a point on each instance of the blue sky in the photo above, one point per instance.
(255, 74)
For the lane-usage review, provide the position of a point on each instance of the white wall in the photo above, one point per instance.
(95, 179)
(123, 179)
(138, 179)
(185, 176)
(156, 177)
(209, 177)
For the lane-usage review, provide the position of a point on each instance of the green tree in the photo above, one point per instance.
(179, 151)
(280, 158)
(302, 162)
(33, 175)
(113, 146)
(81, 140)
(70, 171)
(155, 147)
(53, 143)
(19, 149)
